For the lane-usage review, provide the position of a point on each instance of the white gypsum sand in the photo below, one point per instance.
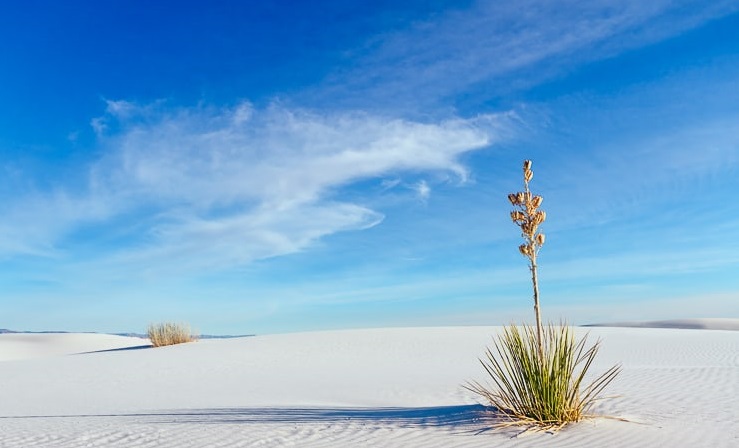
(40, 345)
(398, 387)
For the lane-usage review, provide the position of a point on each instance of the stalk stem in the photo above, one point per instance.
(537, 311)
(534, 281)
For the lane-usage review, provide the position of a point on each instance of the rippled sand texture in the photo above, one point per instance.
(383, 388)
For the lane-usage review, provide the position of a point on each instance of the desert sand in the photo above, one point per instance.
(392, 387)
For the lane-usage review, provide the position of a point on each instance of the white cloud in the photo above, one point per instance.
(504, 44)
(193, 242)
(209, 157)
(225, 186)
(389, 184)
(668, 142)
(98, 125)
(34, 222)
(422, 189)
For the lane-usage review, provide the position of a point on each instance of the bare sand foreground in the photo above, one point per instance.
(397, 387)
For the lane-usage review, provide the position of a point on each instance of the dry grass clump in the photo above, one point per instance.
(538, 373)
(169, 333)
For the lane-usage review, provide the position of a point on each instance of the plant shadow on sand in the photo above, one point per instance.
(443, 416)
(471, 419)
(122, 349)
(463, 419)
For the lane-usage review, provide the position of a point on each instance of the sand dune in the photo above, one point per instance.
(40, 345)
(695, 324)
(396, 387)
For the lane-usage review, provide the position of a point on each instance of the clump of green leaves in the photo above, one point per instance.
(544, 393)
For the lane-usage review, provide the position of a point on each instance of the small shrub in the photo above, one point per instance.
(169, 333)
(543, 393)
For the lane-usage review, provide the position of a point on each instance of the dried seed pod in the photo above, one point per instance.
(517, 216)
(528, 216)
(536, 218)
(525, 227)
(540, 238)
(525, 250)
(541, 216)
(529, 228)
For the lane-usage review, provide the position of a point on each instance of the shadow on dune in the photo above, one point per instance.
(474, 419)
(467, 418)
(444, 416)
(122, 349)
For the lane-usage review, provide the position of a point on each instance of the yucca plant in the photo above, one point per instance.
(169, 333)
(546, 393)
(538, 373)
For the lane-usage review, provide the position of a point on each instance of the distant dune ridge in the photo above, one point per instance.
(391, 387)
(696, 324)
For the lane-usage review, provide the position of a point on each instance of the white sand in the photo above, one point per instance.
(41, 345)
(382, 388)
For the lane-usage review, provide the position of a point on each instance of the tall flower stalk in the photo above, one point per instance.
(528, 217)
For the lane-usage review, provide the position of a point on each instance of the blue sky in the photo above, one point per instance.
(257, 167)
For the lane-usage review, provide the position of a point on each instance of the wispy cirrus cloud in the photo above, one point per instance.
(229, 185)
(505, 45)
(422, 189)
